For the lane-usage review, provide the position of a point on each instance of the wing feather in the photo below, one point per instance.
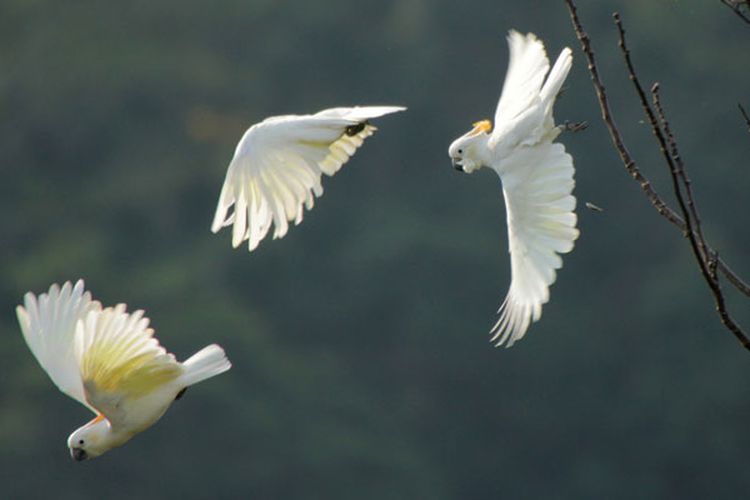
(537, 185)
(120, 360)
(519, 111)
(48, 324)
(277, 167)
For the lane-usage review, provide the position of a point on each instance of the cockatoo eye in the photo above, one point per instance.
(460, 151)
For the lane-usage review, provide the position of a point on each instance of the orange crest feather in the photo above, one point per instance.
(481, 126)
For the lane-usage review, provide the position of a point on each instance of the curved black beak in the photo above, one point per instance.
(78, 454)
(457, 165)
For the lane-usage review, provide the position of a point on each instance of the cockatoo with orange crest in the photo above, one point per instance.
(536, 175)
(278, 164)
(109, 361)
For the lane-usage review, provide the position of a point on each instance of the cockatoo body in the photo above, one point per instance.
(109, 361)
(278, 164)
(536, 175)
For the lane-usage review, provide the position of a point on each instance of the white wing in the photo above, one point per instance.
(277, 167)
(537, 184)
(520, 111)
(48, 323)
(120, 361)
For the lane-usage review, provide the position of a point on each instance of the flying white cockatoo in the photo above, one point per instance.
(277, 166)
(108, 360)
(536, 175)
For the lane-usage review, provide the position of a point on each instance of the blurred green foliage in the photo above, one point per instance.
(361, 362)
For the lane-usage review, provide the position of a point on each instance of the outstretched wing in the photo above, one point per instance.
(519, 110)
(120, 360)
(537, 184)
(277, 167)
(48, 323)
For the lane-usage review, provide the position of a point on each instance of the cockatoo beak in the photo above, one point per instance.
(78, 454)
(457, 165)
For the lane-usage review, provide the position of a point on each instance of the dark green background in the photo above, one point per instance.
(362, 368)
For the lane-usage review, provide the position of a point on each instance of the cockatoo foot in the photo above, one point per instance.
(574, 126)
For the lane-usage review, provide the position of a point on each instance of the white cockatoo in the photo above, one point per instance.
(536, 175)
(108, 360)
(277, 166)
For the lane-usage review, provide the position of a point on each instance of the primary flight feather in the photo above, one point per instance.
(109, 361)
(536, 175)
(277, 167)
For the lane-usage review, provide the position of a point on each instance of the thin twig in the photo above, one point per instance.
(706, 263)
(733, 277)
(744, 115)
(671, 155)
(677, 173)
(737, 6)
(693, 220)
(689, 222)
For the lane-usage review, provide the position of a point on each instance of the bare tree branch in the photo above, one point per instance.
(627, 160)
(614, 132)
(740, 7)
(688, 221)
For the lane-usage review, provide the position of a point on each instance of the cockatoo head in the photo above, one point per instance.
(91, 440)
(465, 152)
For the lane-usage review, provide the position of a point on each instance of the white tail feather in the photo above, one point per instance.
(556, 78)
(206, 363)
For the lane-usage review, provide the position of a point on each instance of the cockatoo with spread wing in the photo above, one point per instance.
(277, 167)
(108, 360)
(536, 175)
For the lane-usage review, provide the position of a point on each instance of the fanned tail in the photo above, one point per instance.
(206, 363)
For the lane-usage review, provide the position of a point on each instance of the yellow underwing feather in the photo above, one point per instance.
(340, 151)
(119, 356)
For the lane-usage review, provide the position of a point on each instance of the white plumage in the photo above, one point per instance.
(108, 360)
(48, 324)
(536, 175)
(277, 167)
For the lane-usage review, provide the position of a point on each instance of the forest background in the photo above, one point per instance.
(362, 367)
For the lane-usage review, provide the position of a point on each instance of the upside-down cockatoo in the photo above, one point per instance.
(109, 361)
(536, 175)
